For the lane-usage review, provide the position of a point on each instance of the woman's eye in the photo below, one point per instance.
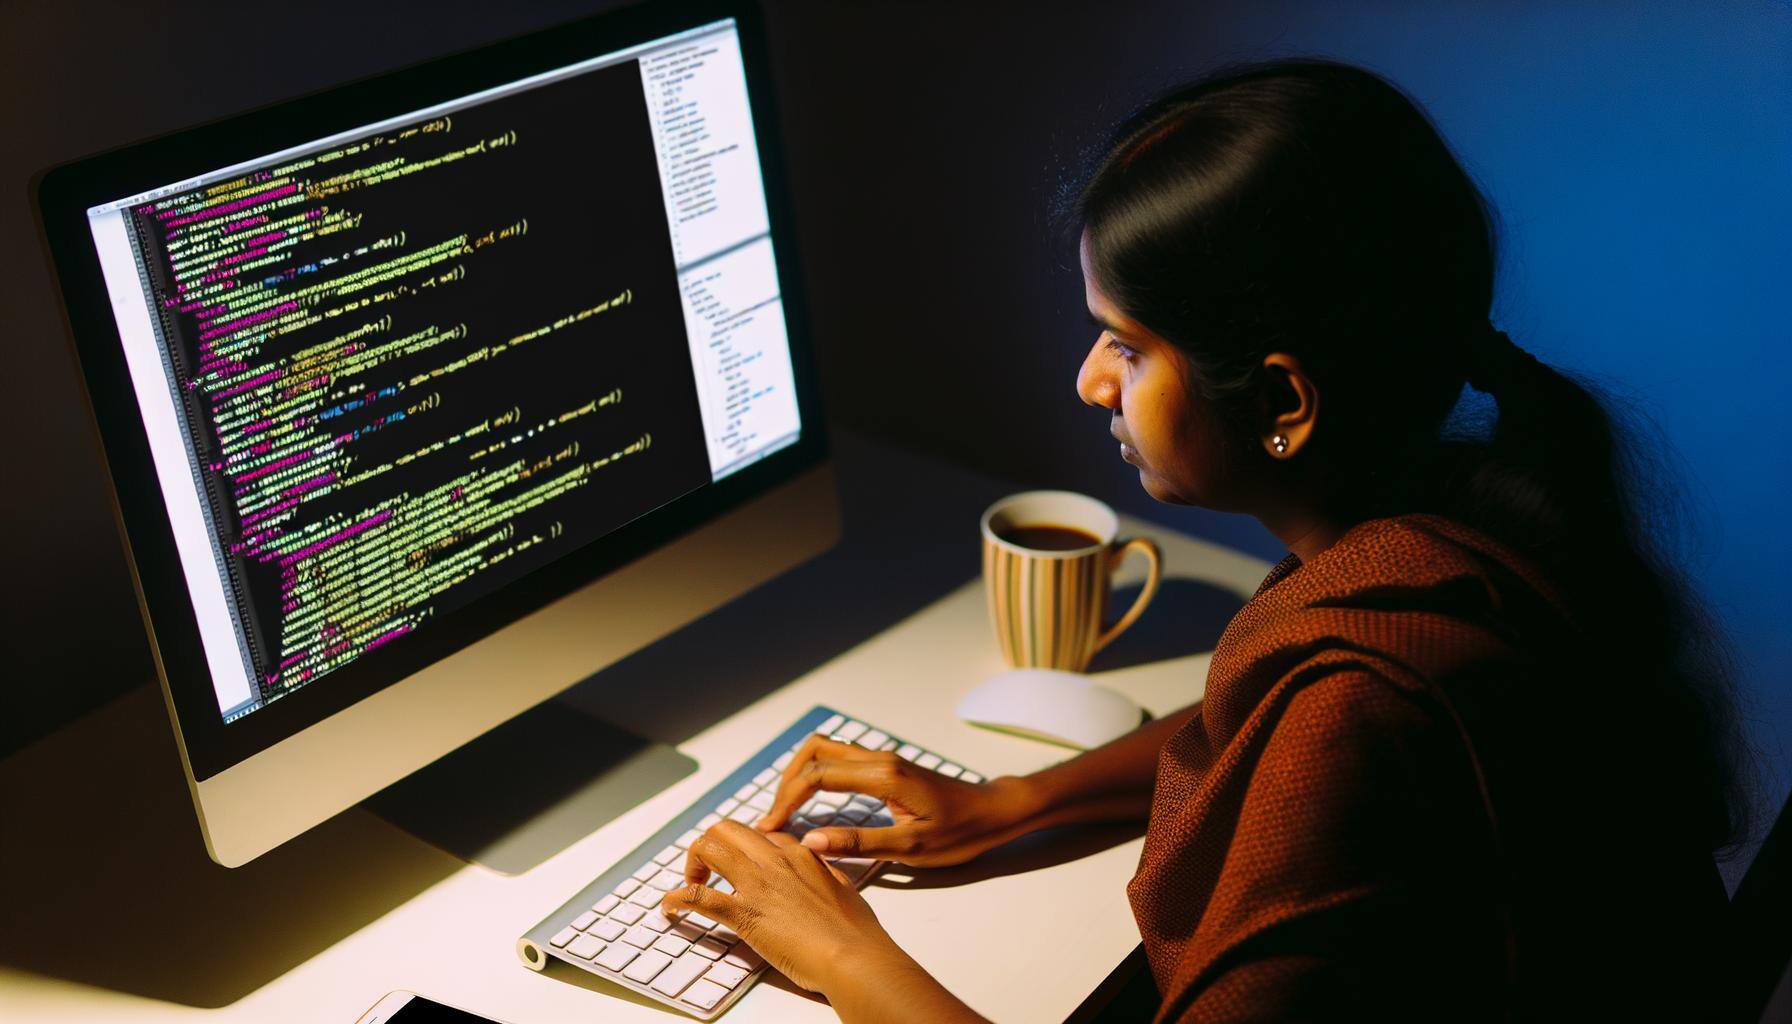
(1120, 349)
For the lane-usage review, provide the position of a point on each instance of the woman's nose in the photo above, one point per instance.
(1095, 382)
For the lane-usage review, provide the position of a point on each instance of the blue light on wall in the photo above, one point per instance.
(1640, 156)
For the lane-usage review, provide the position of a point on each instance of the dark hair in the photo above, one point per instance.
(1310, 207)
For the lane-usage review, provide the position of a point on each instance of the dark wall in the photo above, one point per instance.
(1638, 153)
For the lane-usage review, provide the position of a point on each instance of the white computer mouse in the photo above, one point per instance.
(1051, 705)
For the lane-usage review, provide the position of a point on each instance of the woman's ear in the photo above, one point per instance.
(1291, 406)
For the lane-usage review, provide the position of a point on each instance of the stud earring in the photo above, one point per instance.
(1279, 443)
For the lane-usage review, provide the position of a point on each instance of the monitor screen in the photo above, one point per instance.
(389, 371)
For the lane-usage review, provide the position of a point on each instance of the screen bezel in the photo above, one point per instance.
(65, 193)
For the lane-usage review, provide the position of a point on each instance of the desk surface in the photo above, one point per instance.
(107, 915)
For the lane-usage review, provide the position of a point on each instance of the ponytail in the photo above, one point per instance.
(1559, 480)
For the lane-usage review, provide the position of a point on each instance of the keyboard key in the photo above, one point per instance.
(684, 842)
(766, 777)
(762, 801)
(640, 937)
(709, 949)
(656, 920)
(908, 751)
(709, 821)
(869, 803)
(873, 739)
(725, 975)
(831, 724)
(727, 806)
(646, 897)
(743, 957)
(668, 855)
(677, 865)
(723, 885)
(647, 966)
(724, 934)
(628, 913)
(971, 777)
(746, 814)
(608, 903)
(927, 760)
(586, 946)
(671, 945)
(832, 797)
(699, 920)
(689, 931)
(783, 761)
(682, 972)
(666, 881)
(566, 935)
(888, 745)
(608, 930)
(584, 921)
(625, 887)
(950, 771)
(646, 871)
(617, 956)
(853, 815)
(704, 995)
(852, 731)
(745, 793)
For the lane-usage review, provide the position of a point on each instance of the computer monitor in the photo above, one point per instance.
(426, 397)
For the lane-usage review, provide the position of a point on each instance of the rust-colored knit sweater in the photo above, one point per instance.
(1395, 802)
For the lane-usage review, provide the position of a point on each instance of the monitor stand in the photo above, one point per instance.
(530, 788)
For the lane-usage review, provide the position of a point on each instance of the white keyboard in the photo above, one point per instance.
(613, 927)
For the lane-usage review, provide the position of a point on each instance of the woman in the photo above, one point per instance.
(1466, 754)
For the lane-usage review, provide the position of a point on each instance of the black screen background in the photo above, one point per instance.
(424, 1011)
(582, 173)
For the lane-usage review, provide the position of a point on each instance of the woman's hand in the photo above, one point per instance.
(936, 820)
(806, 920)
(797, 912)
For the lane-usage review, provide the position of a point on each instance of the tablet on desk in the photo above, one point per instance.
(411, 1008)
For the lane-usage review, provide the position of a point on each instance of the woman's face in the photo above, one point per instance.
(1161, 423)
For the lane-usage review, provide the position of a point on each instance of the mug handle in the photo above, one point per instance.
(1116, 555)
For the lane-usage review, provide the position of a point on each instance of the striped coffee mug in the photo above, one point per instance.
(1048, 591)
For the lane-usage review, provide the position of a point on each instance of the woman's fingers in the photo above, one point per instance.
(799, 784)
(893, 843)
(712, 903)
(875, 775)
(729, 849)
(805, 859)
(736, 852)
(782, 839)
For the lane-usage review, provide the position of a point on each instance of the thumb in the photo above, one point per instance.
(858, 842)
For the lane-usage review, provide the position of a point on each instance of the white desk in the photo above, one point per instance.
(110, 911)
